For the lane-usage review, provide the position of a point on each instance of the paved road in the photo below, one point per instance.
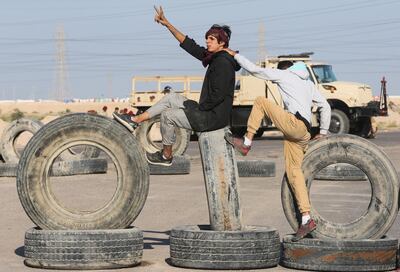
(181, 200)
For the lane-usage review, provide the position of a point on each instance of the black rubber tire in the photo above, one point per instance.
(384, 204)
(102, 132)
(398, 257)
(79, 167)
(339, 255)
(8, 169)
(180, 166)
(178, 148)
(83, 249)
(200, 247)
(10, 134)
(256, 168)
(340, 171)
(63, 168)
(340, 123)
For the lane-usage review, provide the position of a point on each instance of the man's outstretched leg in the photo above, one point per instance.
(170, 119)
(170, 101)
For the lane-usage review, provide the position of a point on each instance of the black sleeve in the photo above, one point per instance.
(190, 46)
(220, 81)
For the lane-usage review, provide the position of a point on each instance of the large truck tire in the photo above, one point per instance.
(201, 248)
(10, 134)
(180, 166)
(83, 249)
(76, 129)
(63, 168)
(341, 171)
(142, 133)
(339, 255)
(340, 123)
(384, 202)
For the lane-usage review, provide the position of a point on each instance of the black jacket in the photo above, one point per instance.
(215, 105)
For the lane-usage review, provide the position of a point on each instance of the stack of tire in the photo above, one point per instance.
(181, 163)
(71, 239)
(70, 163)
(226, 243)
(359, 245)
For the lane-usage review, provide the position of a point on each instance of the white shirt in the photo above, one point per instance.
(298, 92)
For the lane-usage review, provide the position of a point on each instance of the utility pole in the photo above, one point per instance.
(60, 91)
(262, 51)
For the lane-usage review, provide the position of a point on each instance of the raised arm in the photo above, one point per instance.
(187, 44)
(254, 70)
(161, 19)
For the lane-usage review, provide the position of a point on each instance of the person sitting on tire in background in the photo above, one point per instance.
(298, 95)
(215, 106)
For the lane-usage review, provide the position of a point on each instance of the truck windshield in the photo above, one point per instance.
(324, 73)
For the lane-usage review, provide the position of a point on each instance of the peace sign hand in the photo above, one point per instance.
(160, 17)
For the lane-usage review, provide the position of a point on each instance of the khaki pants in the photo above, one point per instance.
(296, 139)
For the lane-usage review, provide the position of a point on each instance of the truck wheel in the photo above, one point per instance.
(142, 133)
(339, 255)
(10, 134)
(132, 173)
(200, 247)
(340, 123)
(83, 249)
(384, 201)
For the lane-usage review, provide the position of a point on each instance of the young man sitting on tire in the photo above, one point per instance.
(216, 98)
(298, 94)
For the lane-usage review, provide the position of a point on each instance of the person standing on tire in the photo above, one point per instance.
(298, 95)
(215, 106)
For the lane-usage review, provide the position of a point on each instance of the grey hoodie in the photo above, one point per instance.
(297, 91)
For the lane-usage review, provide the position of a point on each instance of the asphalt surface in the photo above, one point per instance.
(181, 200)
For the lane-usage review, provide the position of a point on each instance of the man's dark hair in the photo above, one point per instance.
(283, 65)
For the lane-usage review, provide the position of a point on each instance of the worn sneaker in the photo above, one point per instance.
(158, 159)
(126, 120)
(304, 230)
(238, 144)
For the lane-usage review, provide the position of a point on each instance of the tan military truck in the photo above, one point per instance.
(352, 103)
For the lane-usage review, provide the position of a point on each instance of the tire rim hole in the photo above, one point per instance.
(341, 193)
(77, 190)
(20, 141)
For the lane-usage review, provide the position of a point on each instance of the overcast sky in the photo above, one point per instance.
(107, 42)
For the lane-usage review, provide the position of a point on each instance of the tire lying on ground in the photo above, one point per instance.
(10, 134)
(339, 255)
(384, 202)
(256, 168)
(63, 168)
(341, 171)
(142, 133)
(83, 249)
(85, 152)
(180, 166)
(200, 247)
(76, 129)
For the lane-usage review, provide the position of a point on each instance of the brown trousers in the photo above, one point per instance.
(296, 139)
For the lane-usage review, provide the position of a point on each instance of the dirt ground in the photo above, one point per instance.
(181, 200)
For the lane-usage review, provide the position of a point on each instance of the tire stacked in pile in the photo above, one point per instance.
(360, 245)
(225, 243)
(70, 163)
(70, 239)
